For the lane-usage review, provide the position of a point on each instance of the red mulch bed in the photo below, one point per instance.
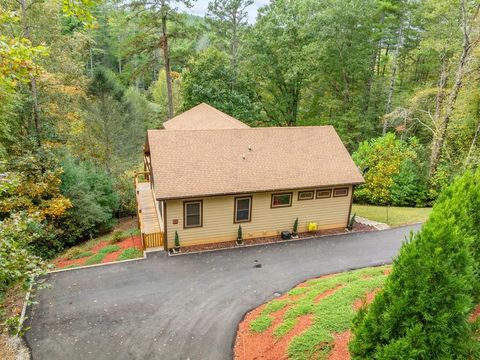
(255, 346)
(129, 242)
(340, 346)
(272, 239)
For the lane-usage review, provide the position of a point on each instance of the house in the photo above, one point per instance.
(206, 182)
(202, 117)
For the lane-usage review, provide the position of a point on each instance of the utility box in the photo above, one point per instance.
(286, 235)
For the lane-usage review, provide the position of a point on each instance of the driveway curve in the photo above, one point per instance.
(184, 307)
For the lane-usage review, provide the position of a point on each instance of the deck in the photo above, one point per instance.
(149, 218)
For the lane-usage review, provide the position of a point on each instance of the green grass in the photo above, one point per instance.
(95, 259)
(396, 215)
(130, 253)
(332, 314)
(108, 249)
(81, 255)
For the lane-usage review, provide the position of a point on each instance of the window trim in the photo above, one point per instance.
(235, 221)
(185, 203)
(323, 197)
(281, 206)
(306, 191)
(342, 188)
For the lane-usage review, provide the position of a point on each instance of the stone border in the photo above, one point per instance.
(377, 225)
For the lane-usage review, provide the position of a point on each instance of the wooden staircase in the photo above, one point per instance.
(149, 218)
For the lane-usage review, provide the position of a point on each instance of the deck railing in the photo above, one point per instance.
(154, 239)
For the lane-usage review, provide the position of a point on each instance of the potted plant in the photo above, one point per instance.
(295, 229)
(239, 235)
(176, 244)
(351, 222)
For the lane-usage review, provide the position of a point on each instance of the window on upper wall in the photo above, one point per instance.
(281, 200)
(192, 214)
(243, 209)
(305, 195)
(339, 192)
(324, 193)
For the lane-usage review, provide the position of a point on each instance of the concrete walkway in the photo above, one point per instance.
(184, 307)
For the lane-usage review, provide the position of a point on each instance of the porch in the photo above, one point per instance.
(150, 220)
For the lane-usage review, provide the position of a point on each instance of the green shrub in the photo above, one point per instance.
(17, 264)
(177, 240)
(239, 233)
(80, 255)
(295, 227)
(384, 161)
(117, 237)
(409, 186)
(130, 253)
(423, 311)
(95, 259)
(94, 201)
(109, 249)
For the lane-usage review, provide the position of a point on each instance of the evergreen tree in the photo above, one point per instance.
(423, 311)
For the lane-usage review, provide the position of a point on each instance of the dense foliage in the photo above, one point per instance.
(81, 81)
(423, 311)
(392, 171)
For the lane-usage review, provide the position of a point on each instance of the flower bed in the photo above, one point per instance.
(272, 239)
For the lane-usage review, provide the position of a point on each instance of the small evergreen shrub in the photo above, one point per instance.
(351, 222)
(177, 240)
(239, 233)
(295, 227)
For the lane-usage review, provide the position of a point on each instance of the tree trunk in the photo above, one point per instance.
(472, 146)
(442, 84)
(166, 60)
(441, 134)
(91, 62)
(393, 78)
(234, 48)
(33, 80)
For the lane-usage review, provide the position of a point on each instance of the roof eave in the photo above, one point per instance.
(256, 191)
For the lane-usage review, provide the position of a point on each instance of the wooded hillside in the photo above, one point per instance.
(81, 82)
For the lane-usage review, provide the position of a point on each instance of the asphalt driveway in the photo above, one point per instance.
(184, 307)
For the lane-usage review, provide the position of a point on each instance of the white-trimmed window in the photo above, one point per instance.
(243, 209)
(192, 213)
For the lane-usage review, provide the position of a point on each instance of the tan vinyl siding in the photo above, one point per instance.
(218, 217)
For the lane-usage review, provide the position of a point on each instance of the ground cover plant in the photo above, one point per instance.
(121, 245)
(305, 322)
(397, 216)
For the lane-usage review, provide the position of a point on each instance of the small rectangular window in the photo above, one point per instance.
(243, 209)
(281, 200)
(339, 192)
(305, 195)
(324, 193)
(192, 211)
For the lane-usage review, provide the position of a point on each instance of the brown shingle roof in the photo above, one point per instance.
(202, 117)
(213, 162)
